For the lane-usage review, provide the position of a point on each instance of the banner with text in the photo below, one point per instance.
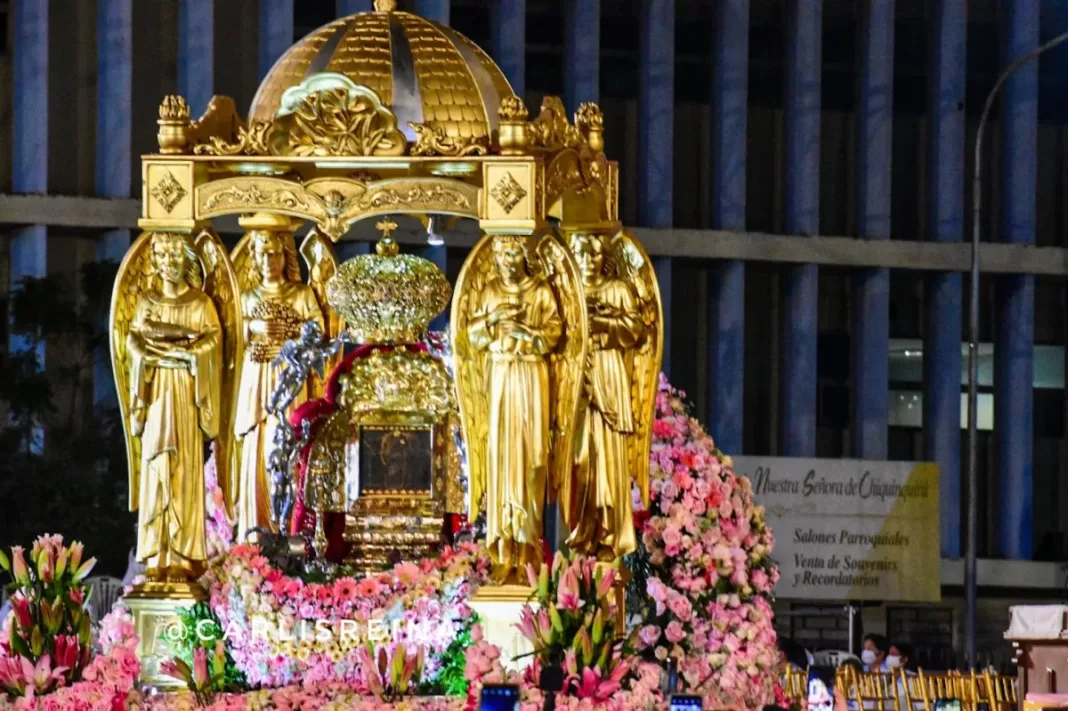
(847, 529)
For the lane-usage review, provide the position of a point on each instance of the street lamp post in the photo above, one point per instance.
(973, 347)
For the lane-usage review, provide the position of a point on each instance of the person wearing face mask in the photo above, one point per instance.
(874, 654)
(899, 656)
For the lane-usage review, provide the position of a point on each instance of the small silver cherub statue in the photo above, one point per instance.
(299, 358)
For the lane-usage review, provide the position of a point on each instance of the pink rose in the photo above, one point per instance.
(680, 607)
(672, 536)
(649, 635)
(675, 632)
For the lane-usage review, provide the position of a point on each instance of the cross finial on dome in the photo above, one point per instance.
(385, 5)
(386, 247)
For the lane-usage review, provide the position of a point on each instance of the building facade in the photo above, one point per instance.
(800, 169)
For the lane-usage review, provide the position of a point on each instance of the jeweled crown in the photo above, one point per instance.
(386, 297)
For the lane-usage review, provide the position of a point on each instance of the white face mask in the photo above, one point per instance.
(893, 662)
(868, 657)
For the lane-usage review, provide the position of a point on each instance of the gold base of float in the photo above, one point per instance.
(155, 607)
(385, 530)
(498, 607)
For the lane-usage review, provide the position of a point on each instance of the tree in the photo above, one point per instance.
(62, 457)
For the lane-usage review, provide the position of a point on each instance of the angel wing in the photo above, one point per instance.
(567, 364)
(319, 253)
(469, 368)
(221, 284)
(134, 280)
(633, 265)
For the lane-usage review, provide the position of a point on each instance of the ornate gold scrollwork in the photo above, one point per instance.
(332, 122)
(243, 194)
(431, 141)
(551, 130)
(418, 195)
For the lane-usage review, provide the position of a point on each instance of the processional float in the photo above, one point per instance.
(556, 324)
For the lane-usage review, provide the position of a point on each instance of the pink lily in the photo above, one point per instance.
(526, 625)
(606, 583)
(42, 675)
(76, 550)
(61, 562)
(532, 576)
(11, 677)
(545, 625)
(594, 686)
(18, 563)
(170, 668)
(44, 566)
(84, 570)
(200, 668)
(21, 607)
(568, 591)
(67, 651)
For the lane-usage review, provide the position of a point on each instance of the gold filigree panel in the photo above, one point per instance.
(335, 203)
(419, 195)
(253, 194)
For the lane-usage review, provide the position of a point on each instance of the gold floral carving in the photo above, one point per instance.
(332, 122)
(512, 109)
(251, 140)
(168, 192)
(589, 118)
(261, 194)
(431, 141)
(551, 130)
(507, 192)
(173, 108)
(338, 122)
(412, 195)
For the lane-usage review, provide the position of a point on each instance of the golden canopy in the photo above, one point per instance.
(380, 113)
(424, 72)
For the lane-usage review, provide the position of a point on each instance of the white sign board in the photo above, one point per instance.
(847, 529)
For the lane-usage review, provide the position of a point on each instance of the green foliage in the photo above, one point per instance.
(450, 680)
(201, 628)
(76, 483)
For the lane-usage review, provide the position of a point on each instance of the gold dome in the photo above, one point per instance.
(425, 72)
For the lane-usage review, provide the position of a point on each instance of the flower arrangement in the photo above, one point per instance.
(48, 641)
(281, 629)
(107, 681)
(202, 637)
(707, 575)
(204, 676)
(391, 677)
(575, 625)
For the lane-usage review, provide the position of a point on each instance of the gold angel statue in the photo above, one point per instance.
(615, 421)
(520, 334)
(274, 305)
(174, 346)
